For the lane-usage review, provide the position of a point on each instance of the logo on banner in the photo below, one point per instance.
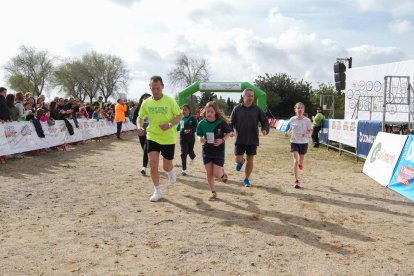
(9, 131)
(364, 138)
(51, 129)
(26, 131)
(382, 155)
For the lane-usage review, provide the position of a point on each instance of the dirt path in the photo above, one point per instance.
(87, 211)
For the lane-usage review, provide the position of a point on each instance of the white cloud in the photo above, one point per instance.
(397, 8)
(239, 39)
(368, 55)
(400, 27)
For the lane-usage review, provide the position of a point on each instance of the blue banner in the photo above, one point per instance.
(323, 134)
(285, 126)
(402, 180)
(366, 133)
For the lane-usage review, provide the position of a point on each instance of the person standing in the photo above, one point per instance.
(187, 128)
(120, 110)
(212, 132)
(4, 109)
(142, 138)
(317, 126)
(163, 114)
(300, 129)
(245, 119)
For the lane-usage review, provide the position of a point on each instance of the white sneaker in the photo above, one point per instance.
(192, 161)
(172, 177)
(184, 172)
(144, 171)
(157, 195)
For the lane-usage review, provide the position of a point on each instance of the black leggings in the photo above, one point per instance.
(187, 148)
(118, 129)
(315, 137)
(143, 142)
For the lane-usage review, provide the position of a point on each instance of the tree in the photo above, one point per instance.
(328, 89)
(30, 70)
(112, 74)
(205, 98)
(68, 78)
(283, 92)
(186, 72)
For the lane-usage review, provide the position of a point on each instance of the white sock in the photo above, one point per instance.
(157, 188)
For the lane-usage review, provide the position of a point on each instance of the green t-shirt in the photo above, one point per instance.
(317, 120)
(218, 129)
(160, 112)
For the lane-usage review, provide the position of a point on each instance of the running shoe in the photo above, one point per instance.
(239, 166)
(300, 167)
(156, 196)
(224, 177)
(296, 184)
(213, 196)
(246, 182)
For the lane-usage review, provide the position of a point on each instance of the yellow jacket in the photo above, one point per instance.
(120, 112)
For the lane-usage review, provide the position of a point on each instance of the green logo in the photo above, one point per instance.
(375, 152)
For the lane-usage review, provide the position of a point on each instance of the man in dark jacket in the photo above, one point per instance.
(245, 119)
(4, 110)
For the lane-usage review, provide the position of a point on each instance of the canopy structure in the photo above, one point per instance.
(227, 87)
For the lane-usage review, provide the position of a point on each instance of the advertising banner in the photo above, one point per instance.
(285, 126)
(383, 157)
(365, 87)
(222, 86)
(367, 131)
(279, 124)
(323, 134)
(403, 177)
(343, 131)
(17, 137)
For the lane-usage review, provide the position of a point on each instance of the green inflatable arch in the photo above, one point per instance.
(227, 87)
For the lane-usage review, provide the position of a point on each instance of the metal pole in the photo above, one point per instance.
(409, 106)
(370, 108)
(384, 106)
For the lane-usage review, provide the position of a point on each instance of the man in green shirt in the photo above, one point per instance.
(317, 126)
(163, 113)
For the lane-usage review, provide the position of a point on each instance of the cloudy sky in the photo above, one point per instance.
(240, 39)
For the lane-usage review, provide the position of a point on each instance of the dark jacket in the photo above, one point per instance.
(4, 109)
(245, 120)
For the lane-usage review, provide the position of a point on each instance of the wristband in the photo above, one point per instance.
(170, 125)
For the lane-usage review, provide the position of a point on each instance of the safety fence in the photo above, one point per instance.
(18, 137)
(352, 136)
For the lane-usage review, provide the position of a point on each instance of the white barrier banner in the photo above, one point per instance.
(343, 131)
(17, 137)
(383, 156)
(279, 124)
(365, 87)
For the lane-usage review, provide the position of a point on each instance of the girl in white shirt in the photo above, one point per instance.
(300, 129)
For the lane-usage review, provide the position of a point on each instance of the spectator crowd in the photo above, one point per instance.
(25, 107)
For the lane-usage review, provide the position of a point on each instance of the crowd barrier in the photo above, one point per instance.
(357, 134)
(389, 157)
(18, 137)
(390, 162)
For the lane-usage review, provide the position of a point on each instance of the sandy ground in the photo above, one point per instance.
(87, 211)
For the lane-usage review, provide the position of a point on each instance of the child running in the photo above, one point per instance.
(187, 128)
(212, 132)
(300, 129)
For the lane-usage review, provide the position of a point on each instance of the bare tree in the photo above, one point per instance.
(187, 71)
(30, 70)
